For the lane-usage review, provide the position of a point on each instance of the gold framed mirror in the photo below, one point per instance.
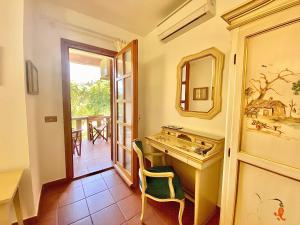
(199, 84)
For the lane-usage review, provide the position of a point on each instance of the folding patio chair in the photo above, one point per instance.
(101, 132)
(76, 141)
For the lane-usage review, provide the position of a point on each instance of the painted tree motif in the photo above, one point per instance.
(265, 84)
(262, 104)
(292, 108)
(296, 87)
(249, 93)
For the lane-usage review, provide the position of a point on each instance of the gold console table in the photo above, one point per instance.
(197, 157)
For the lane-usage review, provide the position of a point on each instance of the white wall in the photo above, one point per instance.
(32, 30)
(158, 74)
(40, 146)
(13, 132)
(32, 106)
(14, 149)
(51, 24)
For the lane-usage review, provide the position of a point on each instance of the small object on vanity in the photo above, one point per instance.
(199, 84)
(200, 93)
(32, 78)
(202, 150)
(161, 138)
(173, 127)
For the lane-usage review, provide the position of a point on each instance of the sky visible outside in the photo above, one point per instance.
(82, 74)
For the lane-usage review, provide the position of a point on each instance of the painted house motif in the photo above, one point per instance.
(268, 108)
(272, 101)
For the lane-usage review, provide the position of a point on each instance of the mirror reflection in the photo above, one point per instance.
(197, 84)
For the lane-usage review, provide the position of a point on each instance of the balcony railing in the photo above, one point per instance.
(87, 123)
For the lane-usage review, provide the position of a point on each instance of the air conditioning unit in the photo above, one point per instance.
(185, 17)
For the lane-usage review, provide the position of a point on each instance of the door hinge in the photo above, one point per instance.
(234, 59)
(228, 153)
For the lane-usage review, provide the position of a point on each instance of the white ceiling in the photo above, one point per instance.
(137, 16)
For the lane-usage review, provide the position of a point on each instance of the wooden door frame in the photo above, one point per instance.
(134, 170)
(65, 46)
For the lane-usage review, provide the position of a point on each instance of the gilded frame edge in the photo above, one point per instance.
(219, 66)
(253, 10)
(243, 156)
(245, 72)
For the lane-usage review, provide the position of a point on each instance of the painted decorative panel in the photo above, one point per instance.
(264, 198)
(271, 120)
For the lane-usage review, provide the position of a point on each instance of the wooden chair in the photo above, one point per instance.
(100, 132)
(76, 141)
(159, 183)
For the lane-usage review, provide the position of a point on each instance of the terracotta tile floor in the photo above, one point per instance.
(94, 157)
(104, 199)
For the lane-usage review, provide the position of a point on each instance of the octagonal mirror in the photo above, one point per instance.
(199, 84)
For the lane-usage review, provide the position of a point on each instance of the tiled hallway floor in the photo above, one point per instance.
(94, 157)
(104, 199)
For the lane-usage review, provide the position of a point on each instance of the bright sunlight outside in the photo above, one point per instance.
(90, 95)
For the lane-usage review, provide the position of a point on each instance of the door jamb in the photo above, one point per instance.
(65, 45)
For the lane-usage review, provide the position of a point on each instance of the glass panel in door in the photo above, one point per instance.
(125, 108)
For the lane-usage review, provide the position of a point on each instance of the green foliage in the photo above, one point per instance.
(296, 87)
(92, 98)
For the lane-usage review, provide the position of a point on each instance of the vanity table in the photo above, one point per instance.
(195, 154)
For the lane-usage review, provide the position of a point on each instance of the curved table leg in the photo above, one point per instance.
(18, 208)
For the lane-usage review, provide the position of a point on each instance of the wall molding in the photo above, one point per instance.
(255, 9)
(79, 29)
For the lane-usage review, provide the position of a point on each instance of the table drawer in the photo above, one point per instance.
(175, 155)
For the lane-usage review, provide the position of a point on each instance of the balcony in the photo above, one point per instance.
(92, 148)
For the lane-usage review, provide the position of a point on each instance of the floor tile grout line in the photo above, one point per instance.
(114, 203)
(88, 207)
(78, 220)
(59, 207)
(123, 213)
(97, 193)
(85, 198)
(92, 219)
(88, 182)
(121, 198)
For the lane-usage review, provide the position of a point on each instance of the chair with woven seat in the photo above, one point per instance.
(100, 132)
(76, 141)
(159, 183)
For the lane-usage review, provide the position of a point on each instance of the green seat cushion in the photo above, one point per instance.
(139, 144)
(159, 187)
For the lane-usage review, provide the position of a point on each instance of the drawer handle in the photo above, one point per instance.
(166, 151)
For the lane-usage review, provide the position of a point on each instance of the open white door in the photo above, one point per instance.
(126, 111)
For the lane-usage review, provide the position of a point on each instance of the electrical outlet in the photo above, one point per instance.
(50, 119)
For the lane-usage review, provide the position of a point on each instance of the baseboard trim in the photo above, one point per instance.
(55, 183)
(29, 221)
(34, 220)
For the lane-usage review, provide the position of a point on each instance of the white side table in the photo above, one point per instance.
(9, 193)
